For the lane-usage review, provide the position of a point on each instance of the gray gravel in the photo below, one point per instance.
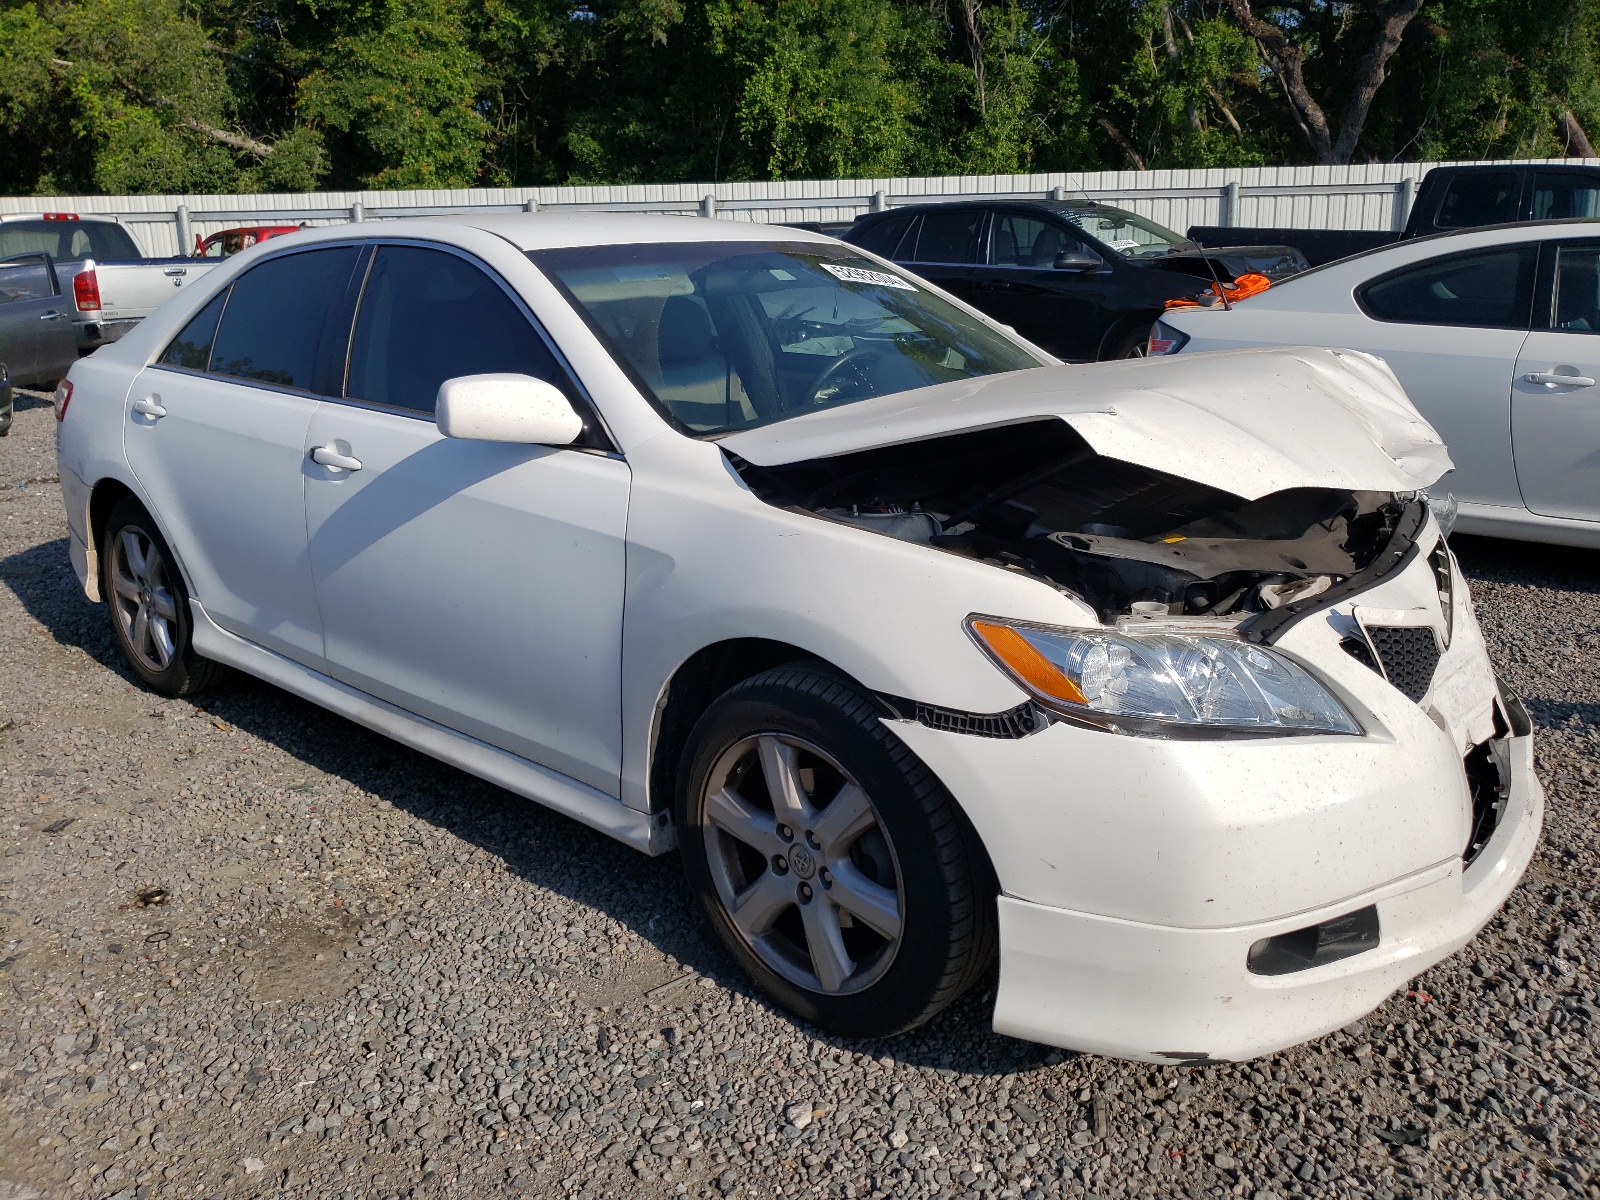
(375, 976)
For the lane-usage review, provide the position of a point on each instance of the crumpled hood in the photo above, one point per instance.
(1250, 422)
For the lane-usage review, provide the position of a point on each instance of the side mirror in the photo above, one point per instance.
(506, 408)
(1077, 260)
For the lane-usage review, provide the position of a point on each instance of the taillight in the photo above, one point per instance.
(63, 397)
(1165, 340)
(86, 290)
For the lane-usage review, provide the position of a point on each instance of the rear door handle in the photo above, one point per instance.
(1553, 379)
(53, 315)
(149, 406)
(329, 456)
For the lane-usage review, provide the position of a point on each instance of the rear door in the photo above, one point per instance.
(216, 435)
(1451, 328)
(1555, 396)
(36, 339)
(478, 584)
(1020, 286)
(943, 248)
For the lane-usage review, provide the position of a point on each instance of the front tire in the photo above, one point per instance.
(1133, 344)
(829, 860)
(149, 606)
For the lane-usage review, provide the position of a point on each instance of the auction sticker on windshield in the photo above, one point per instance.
(859, 275)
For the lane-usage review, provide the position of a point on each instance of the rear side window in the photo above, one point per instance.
(191, 349)
(68, 241)
(276, 327)
(1486, 199)
(1563, 196)
(427, 316)
(1490, 288)
(883, 237)
(28, 279)
(948, 237)
(1577, 306)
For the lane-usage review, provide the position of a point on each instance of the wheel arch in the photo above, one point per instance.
(1123, 326)
(103, 497)
(695, 685)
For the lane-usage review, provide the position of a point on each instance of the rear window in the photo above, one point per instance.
(1486, 199)
(68, 241)
(948, 237)
(276, 328)
(881, 237)
(1489, 288)
(1565, 196)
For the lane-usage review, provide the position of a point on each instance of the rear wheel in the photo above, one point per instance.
(1133, 344)
(149, 606)
(829, 860)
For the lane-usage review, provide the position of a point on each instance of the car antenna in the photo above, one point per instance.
(1222, 292)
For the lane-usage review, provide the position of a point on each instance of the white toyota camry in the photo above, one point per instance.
(1154, 680)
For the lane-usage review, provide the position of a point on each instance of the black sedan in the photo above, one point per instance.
(1083, 280)
(37, 343)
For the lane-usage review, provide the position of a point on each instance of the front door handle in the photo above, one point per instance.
(1555, 379)
(53, 315)
(329, 456)
(149, 406)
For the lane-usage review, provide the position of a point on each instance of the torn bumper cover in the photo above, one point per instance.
(1168, 994)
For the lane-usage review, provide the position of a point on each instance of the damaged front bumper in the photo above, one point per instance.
(1167, 994)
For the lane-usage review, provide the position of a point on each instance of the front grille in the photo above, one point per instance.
(1409, 654)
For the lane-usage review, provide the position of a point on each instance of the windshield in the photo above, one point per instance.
(729, 335)
(1129, 235)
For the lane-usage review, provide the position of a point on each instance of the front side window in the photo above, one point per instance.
(276, 327)
(729, 335)
(27, 279)
(948, 237)
(428, 316)
(1129, 234)
(1489, 288)
(1486, 199)
(1027, 242)
(1565, 196)
(1577, 300)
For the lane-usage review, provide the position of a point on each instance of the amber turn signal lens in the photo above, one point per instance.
(1026, 663)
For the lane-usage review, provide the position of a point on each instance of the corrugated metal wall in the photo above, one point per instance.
(1372, 196)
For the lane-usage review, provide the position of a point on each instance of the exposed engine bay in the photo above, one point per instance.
(1035, 498)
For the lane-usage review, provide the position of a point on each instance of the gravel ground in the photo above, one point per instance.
(369, 975)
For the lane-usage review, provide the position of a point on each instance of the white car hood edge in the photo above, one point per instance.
(1250, 422)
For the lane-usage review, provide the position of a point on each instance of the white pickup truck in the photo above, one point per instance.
(107, 284)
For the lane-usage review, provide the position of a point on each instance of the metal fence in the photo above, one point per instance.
(1368, 196)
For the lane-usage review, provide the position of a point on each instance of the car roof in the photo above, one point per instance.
(1057, 206)
(555, 230)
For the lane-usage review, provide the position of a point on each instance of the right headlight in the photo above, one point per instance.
(1162, 682)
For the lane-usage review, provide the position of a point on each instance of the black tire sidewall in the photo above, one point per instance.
(1126, 343)
(174, 681)
(901, 997)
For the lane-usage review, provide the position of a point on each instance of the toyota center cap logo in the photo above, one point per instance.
(803, 863)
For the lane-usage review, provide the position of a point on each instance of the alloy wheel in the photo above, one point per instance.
(802, 864)
(142, 598)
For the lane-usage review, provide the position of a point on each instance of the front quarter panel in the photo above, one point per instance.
(708, 562)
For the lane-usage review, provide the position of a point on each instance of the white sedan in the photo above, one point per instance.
(1495, 336)
(922, 649)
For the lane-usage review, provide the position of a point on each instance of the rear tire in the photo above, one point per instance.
(829, 860)
(1132, 344)
(149, 605)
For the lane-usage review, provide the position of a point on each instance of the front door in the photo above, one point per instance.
(36, 338)
(477, 584)
(1555, 396)
(1021, 287)
(216, 436)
